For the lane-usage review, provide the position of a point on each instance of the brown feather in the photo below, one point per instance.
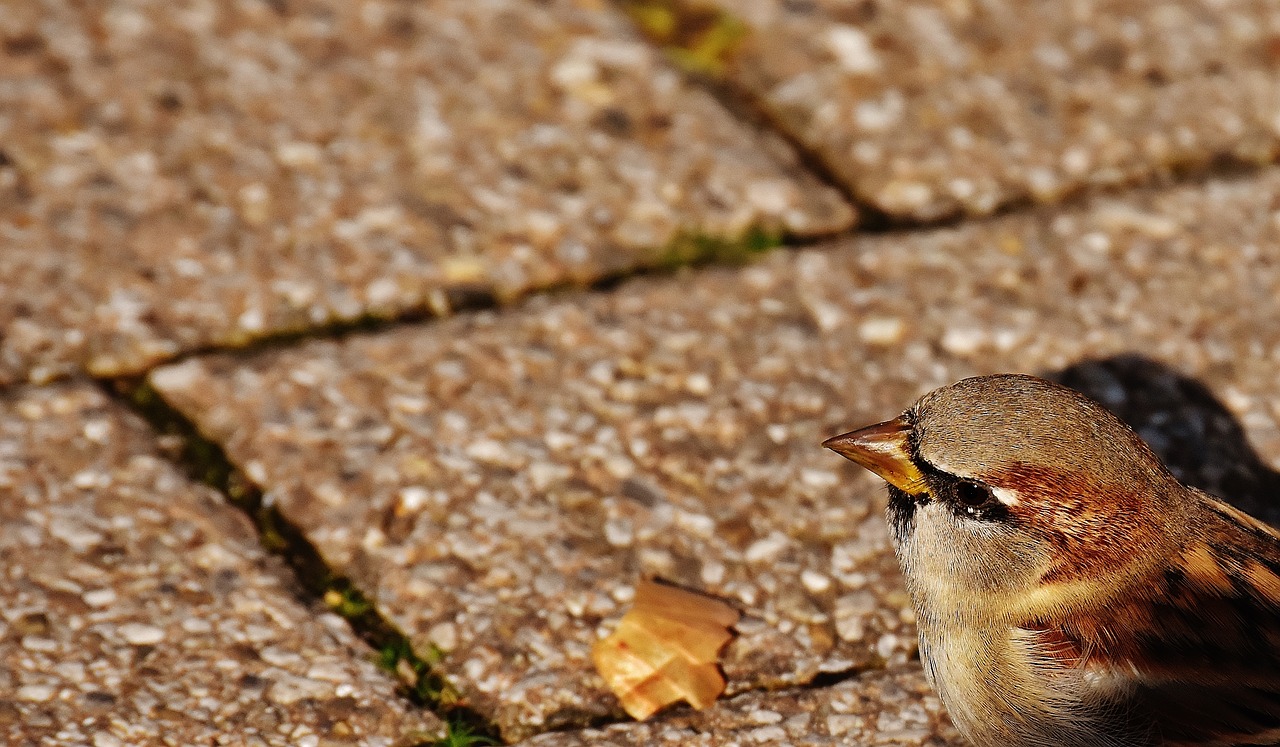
(1199, 639)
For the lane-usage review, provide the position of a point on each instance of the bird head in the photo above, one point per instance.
(1011, 495)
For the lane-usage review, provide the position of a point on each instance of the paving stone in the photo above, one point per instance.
(179, 175)
(931, 108)
(138, 608)
(498, 482)
(878, 708)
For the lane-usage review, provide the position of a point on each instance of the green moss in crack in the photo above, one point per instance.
(700, 40)
(463, 726)
(347, 601)
(273, 533)
(460, 735)
(205, 461)
(418, 674)
(699, 249)
(657, 20)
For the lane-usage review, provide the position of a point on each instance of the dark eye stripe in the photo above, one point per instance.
(968, 498)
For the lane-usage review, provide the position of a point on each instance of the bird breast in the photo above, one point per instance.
(1002, 689)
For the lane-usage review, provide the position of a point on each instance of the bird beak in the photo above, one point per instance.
(885, 449)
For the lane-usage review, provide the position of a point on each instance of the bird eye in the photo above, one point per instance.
(973, 494)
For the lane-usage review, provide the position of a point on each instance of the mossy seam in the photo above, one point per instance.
(205, 461)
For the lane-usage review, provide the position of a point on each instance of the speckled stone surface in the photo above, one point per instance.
(498, 482)
(894, 707)
(176, 175)
(138, 608)
(929, 108)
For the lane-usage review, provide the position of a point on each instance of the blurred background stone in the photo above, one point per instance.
(935, 108)
(176, 175)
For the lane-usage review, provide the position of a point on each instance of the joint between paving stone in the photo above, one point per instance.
(825, 680)
(701, 45)
(687, 250)
(702, 41)
(205, 461)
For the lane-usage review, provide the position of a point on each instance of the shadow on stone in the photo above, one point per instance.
(1186, 426)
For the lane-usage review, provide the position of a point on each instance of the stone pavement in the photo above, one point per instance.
(399, 206)
(139, 610)
(925, 109)
(250, 169)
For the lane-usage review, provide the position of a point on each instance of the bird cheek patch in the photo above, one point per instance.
(665, 650)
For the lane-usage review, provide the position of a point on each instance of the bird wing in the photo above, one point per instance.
(1196, 653)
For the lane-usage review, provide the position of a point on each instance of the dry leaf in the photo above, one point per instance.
(665, 650)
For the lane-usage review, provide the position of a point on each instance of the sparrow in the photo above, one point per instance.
(1069, 591)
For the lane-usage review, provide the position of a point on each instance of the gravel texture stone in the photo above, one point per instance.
(894, 707)
(138, 608)
(931, 108)
(497, 482)
(176, 175)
